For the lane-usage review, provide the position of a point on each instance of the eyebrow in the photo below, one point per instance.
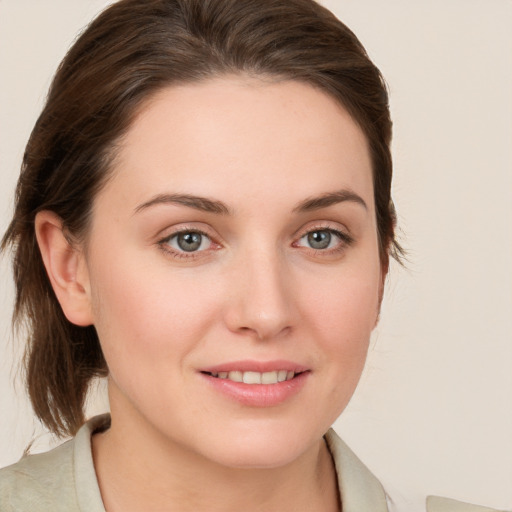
(329, 199)
(199, 203)
(218, 207)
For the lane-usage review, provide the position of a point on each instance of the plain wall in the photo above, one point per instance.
(433, 412)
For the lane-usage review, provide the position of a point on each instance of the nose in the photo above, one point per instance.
(261, 297)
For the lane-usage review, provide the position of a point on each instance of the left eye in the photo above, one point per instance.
(189, 241)
(320, 239)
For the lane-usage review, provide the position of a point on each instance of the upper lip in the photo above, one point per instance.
(256, 366)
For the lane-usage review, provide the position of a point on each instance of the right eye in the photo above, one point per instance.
(320, 239)
(188, 241)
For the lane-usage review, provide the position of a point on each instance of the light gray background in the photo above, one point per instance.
(433, 412)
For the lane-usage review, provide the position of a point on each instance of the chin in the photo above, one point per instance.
(257, 447)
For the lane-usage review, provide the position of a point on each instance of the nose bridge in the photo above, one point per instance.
(261, 300)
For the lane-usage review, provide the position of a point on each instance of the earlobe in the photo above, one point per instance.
(66, 269)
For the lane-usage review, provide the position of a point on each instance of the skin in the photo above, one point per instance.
(255, 290)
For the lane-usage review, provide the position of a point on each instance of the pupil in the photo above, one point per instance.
(319, 239)
(189, 241)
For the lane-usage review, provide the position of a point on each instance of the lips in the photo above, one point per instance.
(257, 384)
(256, 366)
(255, 377)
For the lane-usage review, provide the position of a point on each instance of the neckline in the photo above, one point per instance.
(357, 486)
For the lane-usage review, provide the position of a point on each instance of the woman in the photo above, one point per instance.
(203, 215)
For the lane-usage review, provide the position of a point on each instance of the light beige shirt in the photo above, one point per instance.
(64, 479)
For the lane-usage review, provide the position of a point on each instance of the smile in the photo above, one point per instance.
(257, 389)
(250, 377)
(257, 383)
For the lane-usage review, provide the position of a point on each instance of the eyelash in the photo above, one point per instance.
(163, 244)
(345, 240)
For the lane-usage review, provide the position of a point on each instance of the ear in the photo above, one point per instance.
(66, 268)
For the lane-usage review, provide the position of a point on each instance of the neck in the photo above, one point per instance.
(138, 470)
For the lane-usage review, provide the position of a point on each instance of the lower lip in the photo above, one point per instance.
(258, 395)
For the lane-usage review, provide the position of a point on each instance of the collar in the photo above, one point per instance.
(359, 489)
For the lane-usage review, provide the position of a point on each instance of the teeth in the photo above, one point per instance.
(252, 378)
(269, 378)
(256, 377)
(236, 376)
(281, 375)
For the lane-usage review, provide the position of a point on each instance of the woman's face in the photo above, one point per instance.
(236, 241)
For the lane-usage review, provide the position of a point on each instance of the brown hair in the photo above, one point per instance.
(130, 51)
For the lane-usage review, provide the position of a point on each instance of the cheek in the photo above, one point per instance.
(347, 305)
(344, 316)
(147, 317)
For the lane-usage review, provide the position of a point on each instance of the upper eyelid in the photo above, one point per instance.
(346, 239)
(343, 237)
(163, 242)
(169, 232)
(164, 245)
(322, 225)
(333, 226)
(187, 230)
(176, 233)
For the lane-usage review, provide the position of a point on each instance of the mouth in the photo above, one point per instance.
(258, 383)
(252, 377)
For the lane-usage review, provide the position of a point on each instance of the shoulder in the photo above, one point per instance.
(34, 482)
(359, 488)
(437, 504)
(62, 479)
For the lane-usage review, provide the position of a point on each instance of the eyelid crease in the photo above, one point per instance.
(345, 238)
(325, 225)
(163, 244)
(186, 229)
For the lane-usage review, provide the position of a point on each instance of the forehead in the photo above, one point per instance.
(245, 135)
